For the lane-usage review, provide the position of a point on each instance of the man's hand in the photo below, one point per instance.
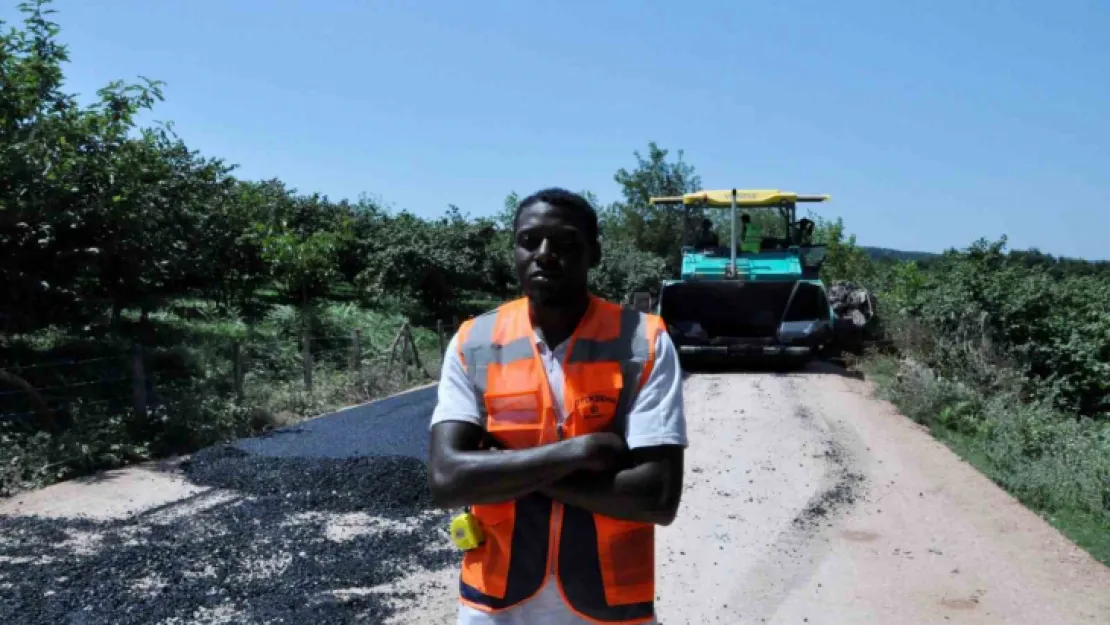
(645, 487)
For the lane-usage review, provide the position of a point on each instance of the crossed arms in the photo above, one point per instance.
(595, 472)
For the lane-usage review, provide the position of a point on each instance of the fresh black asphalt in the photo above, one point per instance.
(395, 426)
(262, 554)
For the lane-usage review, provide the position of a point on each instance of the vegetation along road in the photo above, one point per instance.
(805, 498)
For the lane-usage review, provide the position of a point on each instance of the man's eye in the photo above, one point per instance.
(559, 242)
(528, 240)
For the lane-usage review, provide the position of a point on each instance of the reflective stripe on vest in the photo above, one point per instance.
(605, 566)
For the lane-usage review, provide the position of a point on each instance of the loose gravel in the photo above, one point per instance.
(840, 496)
(275, 540)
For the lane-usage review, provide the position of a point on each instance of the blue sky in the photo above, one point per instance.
(930, 123)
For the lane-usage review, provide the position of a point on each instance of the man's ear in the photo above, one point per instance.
(595, 254)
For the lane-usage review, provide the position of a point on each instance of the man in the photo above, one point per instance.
(804, 232)
(751, 234)
(560, 426)
(707, 238)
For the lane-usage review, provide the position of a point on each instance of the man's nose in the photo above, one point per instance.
(546, 250)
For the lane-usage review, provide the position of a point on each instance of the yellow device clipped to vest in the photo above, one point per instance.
(466, 532)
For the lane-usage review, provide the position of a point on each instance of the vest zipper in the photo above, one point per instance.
(557, 507)
(556, 518)
(556, 526)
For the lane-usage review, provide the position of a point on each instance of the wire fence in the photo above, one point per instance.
(136, 381)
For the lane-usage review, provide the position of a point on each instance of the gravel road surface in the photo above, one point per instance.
(806, 501)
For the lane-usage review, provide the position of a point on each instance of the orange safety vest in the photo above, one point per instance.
(605, 567)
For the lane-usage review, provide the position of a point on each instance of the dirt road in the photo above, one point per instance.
(806, 501)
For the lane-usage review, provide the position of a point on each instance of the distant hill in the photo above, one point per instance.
(884, 253)
(1030, 258)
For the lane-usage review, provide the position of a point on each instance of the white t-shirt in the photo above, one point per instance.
(656, 418)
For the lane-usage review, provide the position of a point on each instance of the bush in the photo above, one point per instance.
(1055, 331)
(625, 269)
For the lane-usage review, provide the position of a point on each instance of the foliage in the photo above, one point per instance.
(427, 266)
(654, 229)
(64, 175)
(303, 265)
(227, 237)
(884, 255)
(844, 259)
(1055, 330)
(625, 269)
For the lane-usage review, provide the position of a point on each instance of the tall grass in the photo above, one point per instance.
(193, 403)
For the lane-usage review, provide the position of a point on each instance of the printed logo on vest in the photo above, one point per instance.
(590, 406)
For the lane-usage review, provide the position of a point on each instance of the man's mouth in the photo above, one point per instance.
(544, 277)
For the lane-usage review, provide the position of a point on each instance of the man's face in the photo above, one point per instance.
(553, 254)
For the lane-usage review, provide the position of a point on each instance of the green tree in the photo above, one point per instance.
(149, 230)
(428, 268)
(303, 265)
(229, 264)
(655, 229)
(507, 214)
(844, 259)
(625, 269)
(366, 219)
(61, 169)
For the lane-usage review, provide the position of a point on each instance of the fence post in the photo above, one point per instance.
(138, 385)
(439, 331)
(393, 346)
(405, 351)
(356, 354)
(238, 354)
(306, 358)
(415, 352)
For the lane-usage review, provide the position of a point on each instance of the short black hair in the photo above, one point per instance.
(564, 199)
(745, 217)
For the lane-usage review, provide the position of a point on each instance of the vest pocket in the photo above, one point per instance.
(597, 390)
(626, 551)
(486, 568)
(515, 418)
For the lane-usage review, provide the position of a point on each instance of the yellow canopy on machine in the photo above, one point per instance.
(744, 197)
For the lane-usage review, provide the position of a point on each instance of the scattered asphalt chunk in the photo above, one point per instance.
(841, 495)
